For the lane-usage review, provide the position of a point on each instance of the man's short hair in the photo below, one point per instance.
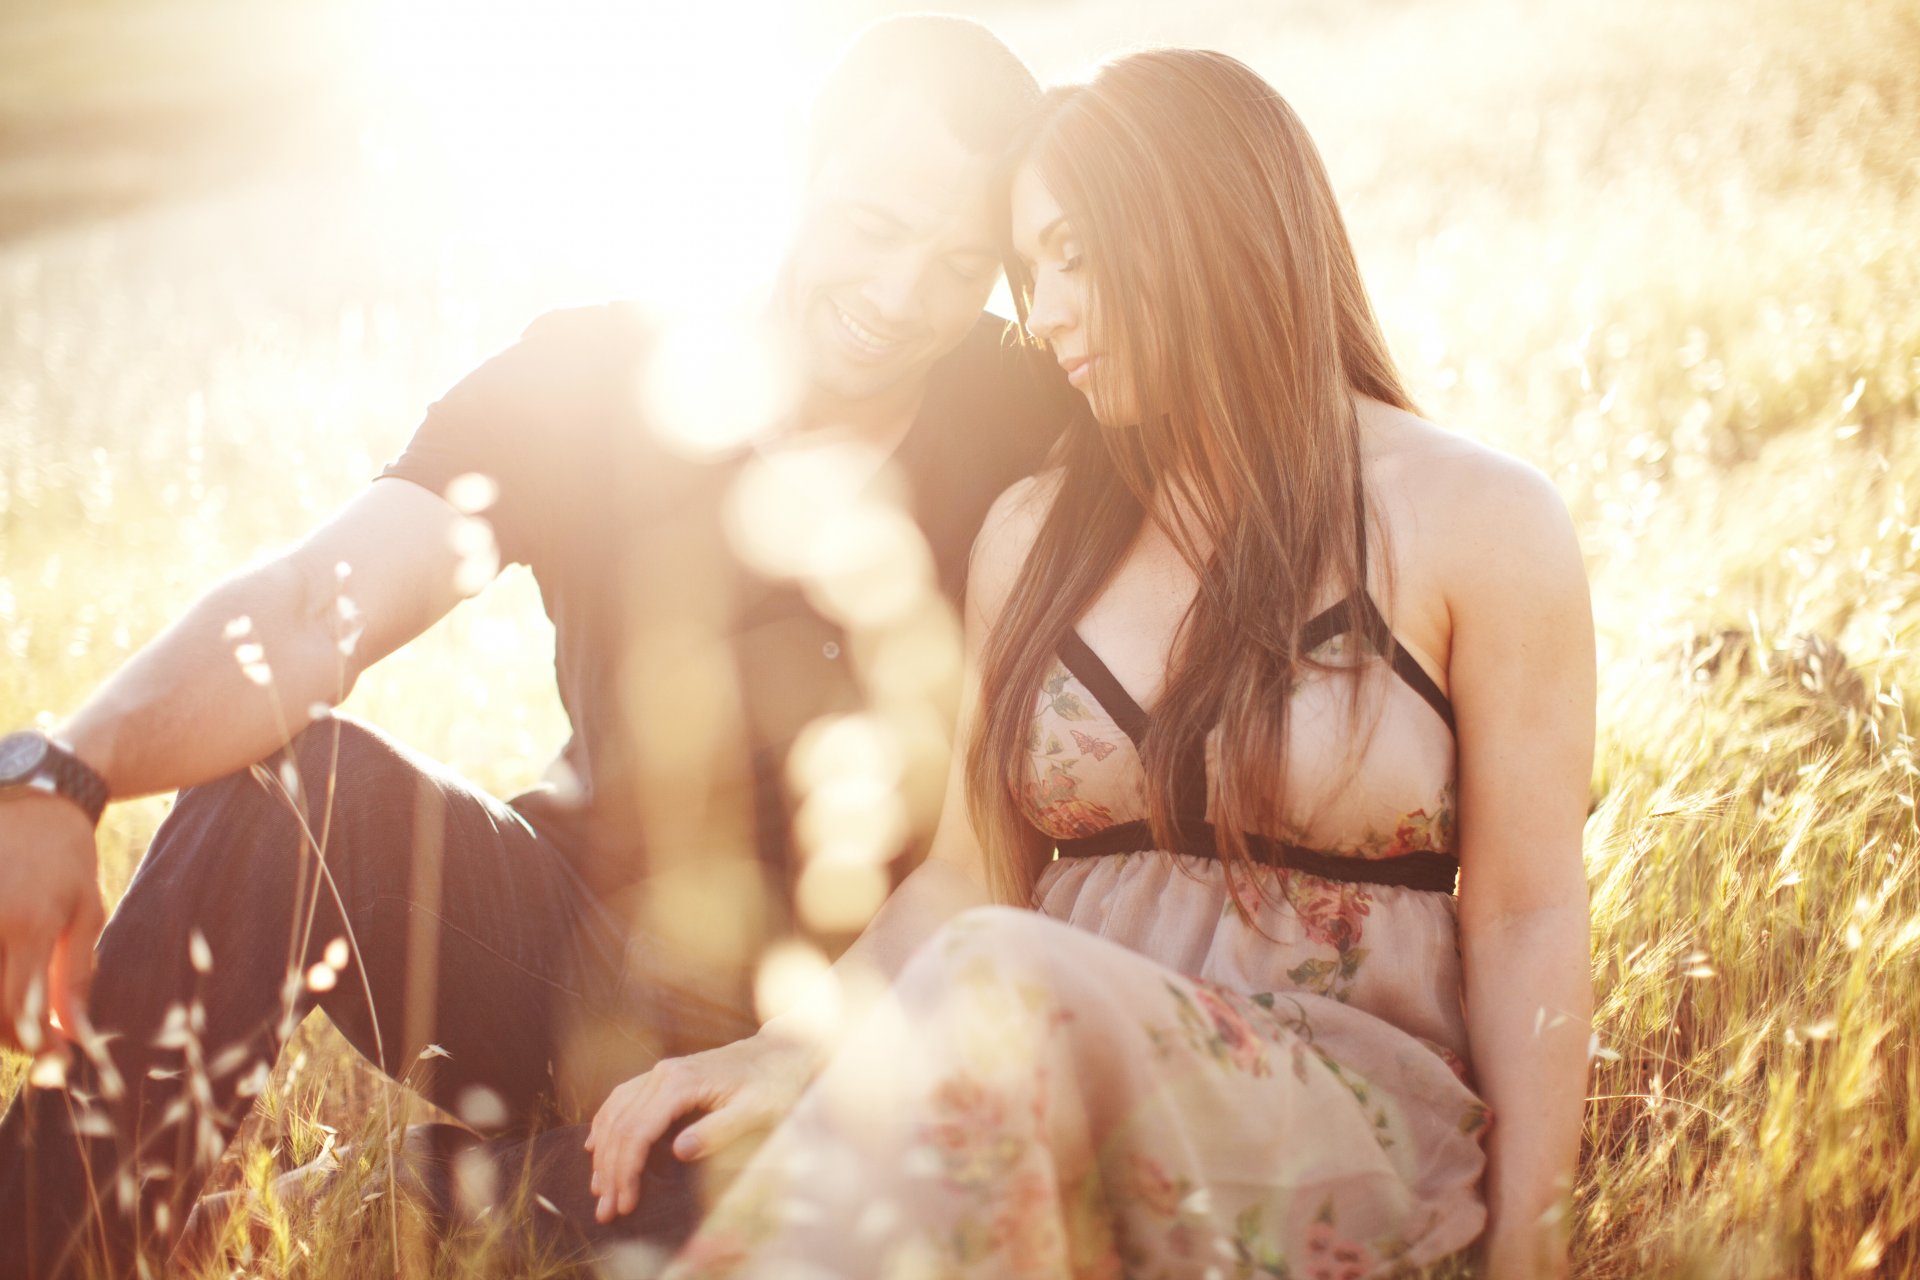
(979, 87)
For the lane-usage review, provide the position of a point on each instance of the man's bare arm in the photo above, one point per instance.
(246, 667)
(244, 670)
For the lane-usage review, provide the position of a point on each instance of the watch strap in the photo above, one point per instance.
(75, 779)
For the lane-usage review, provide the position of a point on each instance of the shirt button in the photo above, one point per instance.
(830, 650)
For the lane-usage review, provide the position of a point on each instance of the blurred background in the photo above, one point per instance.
(1667, 250)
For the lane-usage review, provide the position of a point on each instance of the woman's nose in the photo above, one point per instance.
(1049, 313)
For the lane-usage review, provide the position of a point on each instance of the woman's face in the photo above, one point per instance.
(1062, 307)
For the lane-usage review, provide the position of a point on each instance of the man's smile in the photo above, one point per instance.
(861, 340)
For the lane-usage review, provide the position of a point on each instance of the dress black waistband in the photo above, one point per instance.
(1435, 872)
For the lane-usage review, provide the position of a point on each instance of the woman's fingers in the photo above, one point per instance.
(624, 1131)
(720, 1127)
(610, 1136)
(621, 1192)
(602, 1134)
(721, 1082)
(624, 1096)
(597, 1131)
(767, 1082)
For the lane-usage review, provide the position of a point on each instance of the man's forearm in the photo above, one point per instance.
(1529, 1017)
(224, 686)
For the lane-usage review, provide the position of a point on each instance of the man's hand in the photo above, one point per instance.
(50, 917)
(743, 1087)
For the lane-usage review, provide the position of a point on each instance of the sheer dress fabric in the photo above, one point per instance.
(1138, 1080)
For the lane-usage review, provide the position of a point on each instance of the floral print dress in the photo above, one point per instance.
(1139, 1080)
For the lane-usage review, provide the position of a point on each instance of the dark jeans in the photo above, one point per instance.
(467, 930)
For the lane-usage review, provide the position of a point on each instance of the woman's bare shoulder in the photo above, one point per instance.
(1480, 519)
(1006, 538)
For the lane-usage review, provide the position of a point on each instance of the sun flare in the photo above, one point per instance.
(652, 147)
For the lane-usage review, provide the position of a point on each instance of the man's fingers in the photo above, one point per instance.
(71, 973)
(8, 1038)
(23, 993)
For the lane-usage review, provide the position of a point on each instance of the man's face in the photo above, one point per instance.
(894, 255)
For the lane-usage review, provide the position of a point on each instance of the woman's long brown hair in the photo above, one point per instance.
(1224, 286)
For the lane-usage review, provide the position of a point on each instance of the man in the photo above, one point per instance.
(526, 955)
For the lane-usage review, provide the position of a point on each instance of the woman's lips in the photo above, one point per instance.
(1077, 370)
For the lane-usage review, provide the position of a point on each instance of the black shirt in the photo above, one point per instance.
(627, 541)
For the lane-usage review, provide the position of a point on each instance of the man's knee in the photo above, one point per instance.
(328, 745)
(332, 753)
(287, 803)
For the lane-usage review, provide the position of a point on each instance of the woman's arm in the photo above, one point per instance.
(954, 875)
(747, 1085)
(1523, 687)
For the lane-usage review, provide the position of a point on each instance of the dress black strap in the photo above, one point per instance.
(1373, 624)
(1433, 872)
(1098, 679)
(1356, 613)
(1335, 620)
(1429, 871)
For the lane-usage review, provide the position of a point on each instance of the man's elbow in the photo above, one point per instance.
(293, 618)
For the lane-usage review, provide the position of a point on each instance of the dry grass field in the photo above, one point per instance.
(1669, 252)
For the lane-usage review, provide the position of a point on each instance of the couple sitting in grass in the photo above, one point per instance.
(1250, 935)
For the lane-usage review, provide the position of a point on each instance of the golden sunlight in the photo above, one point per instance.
(715, 382)
(1664, 255)
(645, 144)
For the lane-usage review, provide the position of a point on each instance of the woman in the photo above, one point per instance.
(1266, 659)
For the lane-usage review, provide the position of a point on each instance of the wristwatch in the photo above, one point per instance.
(31, 761)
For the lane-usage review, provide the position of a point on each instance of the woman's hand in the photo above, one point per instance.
(743, 1087)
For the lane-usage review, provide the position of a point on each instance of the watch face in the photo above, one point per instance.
(21, 754)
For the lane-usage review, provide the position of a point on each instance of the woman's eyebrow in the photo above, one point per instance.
(1042, 240)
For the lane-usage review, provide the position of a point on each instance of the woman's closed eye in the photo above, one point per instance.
(1066, 263)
